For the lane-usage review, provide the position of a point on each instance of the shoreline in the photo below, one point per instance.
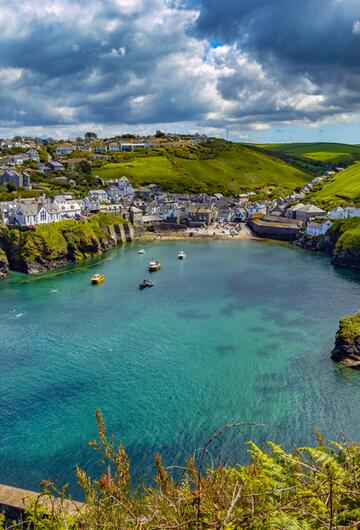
(207, 234)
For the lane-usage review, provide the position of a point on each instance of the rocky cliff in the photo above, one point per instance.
(342, 241)
(53, 246)
(347, 343)
(4, 265)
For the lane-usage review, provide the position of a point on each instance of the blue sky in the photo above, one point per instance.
(279, 70)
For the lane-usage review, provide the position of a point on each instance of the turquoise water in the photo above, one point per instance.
(238, 331)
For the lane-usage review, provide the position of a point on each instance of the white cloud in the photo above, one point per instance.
(356, 27)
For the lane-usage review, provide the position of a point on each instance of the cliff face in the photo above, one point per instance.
(4, 265)
(53, 246)
(347, 343)
(342, 241)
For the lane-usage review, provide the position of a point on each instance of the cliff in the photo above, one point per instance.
(4, 265)
(342, 241)
(53, 246)
(347, 343)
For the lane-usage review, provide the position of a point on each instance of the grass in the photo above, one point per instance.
(219, 167)
(343, 189)
(349, 329)
(323, 152)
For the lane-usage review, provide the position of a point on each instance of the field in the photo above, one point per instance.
(343, 189)
(323, 152)
(221, 167)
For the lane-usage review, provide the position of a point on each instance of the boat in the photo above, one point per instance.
(142, 251)
(146, 283)
(154, 265)
(181, 254)
(97, 278)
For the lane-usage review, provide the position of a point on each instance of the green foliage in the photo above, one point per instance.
(347, 232)
(310, 488)
(323, 152)
(343, 189)
(75, 240)
(215, 167)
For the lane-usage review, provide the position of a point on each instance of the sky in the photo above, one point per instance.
(257, 70)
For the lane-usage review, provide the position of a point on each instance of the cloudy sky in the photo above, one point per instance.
(263, 69)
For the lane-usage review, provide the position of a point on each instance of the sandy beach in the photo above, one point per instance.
(216, 231)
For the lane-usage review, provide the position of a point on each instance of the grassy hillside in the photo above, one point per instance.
(343, 189)
(218, 167)
(323, 152)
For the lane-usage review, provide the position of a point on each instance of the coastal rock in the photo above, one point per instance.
(347, 258)
(4, 265)
(53, 246)
(347, 343)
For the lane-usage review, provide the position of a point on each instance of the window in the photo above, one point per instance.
(43, 215)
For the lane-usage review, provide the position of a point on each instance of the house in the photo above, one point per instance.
(33, 155)
(54, 165)
(124, 187)
(256, 208)
(309, 211)
(99, 195)
(226, 216)
(69, 209)
(100, 148)
(37, 213)
(91, 205)
(200, 216)
(17, 160)
(126, 147)
(114, 147)
(316, 229)
(338, 213)
(136, 215)
(8, 211)
(64, 149)
(18, 179)
(291, 211)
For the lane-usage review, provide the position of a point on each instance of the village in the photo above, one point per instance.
(149, 208)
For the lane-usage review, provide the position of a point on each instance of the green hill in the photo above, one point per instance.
(343, 189)
(323, 152)
(215, 167)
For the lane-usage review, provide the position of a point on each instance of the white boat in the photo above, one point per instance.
(154, 266)
(142, 251)
(181, 254)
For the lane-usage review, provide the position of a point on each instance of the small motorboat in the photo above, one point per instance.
(146, 283)
(181, 254)
(154, 265)
(97, 278)
(142, 251)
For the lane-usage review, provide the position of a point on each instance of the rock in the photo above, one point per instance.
(4, 265)
(347, 258)
(347, 343)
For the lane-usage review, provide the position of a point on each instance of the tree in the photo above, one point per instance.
(90, 136)
(159, 134)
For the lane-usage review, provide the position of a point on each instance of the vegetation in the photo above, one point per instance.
(66, 240)
(343, 189)
(310, 488)
(350, 328)
(324, 152)
(347, 232)
(218, 166)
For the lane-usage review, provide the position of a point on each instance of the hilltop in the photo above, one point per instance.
(335, 153)
(215, 166)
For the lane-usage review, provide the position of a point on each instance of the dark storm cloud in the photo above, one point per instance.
(319, 39)
(235, 62)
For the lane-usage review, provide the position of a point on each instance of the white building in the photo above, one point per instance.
(34, 213)
(256, 208)
(125, 188)
(64, 149)
(316, 229)
(114, 147)
(99, 196)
